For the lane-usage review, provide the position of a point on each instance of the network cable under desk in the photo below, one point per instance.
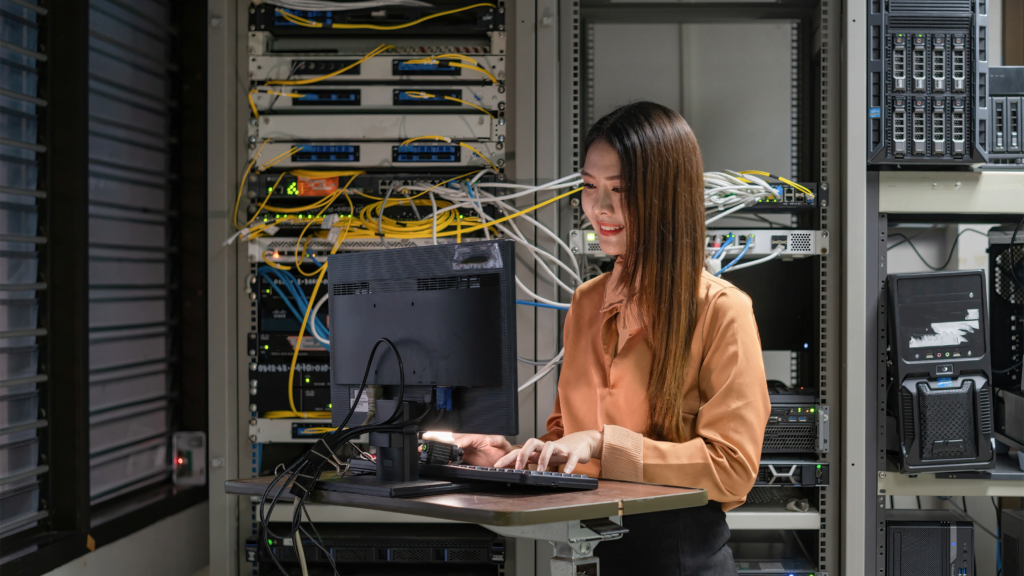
(566, 519)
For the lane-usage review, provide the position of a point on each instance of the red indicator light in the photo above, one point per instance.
(181, 460)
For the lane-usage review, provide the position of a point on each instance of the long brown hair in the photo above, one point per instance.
(663, 201)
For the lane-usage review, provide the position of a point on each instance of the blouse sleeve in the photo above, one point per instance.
(724, 456)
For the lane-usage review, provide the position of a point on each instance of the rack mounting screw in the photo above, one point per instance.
(252, 422)
(252, 438)
(881, 475)
(574, 202)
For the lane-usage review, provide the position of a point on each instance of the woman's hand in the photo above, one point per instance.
(578, 447)
(482, 450)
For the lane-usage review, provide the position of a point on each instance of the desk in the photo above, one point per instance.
(575, 522)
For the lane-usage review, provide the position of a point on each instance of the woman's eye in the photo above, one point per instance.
(589, 185)
(616, 189)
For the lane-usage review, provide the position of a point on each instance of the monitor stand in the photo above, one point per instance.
(398, 465)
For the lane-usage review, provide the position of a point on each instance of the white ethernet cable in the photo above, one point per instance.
(312, 325)
(543, 371)
(775, 254)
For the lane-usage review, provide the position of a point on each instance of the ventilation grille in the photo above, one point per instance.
(778, 496)
(1003, 283)
(947, 415)
(985, 410)
(790, 439)
(409, 554)
(907, 406)
(476, 555)
(1011, 555)
(352, 554)
(959, 22)
(800, 242)
(944, 6)
(350, 288)
(916, 550)
(457, 282)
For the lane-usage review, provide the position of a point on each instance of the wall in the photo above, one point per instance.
(176, 546)
(735, 94)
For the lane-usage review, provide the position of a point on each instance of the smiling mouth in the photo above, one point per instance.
(607, 230)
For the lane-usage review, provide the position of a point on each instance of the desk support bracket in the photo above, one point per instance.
(574, 542)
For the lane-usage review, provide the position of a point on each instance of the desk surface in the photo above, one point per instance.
(508, 508)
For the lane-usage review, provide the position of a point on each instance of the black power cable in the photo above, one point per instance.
(952, 248)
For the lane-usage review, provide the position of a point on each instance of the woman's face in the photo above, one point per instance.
(602, 197)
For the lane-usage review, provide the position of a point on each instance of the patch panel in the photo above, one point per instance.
(327, 97)
(794, 243)
(381, 97)
(387, 67)
(380, 155)
(468, 124)
(425, 153)
(474, 22)
(302, 187)
(326, 153)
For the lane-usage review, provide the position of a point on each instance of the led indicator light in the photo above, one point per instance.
(181, 460)
(591, 236)
(266, 347)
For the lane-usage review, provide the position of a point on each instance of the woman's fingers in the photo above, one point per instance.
(507, 459)
(545, 456)
(570, 462)
(526, 451)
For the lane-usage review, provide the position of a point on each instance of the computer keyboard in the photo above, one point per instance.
(509, 476)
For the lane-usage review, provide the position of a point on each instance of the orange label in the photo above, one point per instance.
(317, 186)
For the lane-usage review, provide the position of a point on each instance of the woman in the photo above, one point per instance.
(662, 379)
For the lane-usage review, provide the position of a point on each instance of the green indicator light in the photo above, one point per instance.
(328, 405)
(591, 236)
(271, 189)
(819, 466)
(799, 409)
(271, 542)
(307, 379)
(812, 409)
(266, 347)
(293, 189)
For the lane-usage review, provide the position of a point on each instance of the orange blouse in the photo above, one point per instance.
(726, 397)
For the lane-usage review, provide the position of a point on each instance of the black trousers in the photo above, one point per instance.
(689, 541)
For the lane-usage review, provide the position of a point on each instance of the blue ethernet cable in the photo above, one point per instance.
(723, 247)
(737, 259)
(290, 292)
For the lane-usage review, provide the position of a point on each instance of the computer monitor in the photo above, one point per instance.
(449, 309)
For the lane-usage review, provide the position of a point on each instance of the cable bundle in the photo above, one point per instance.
(303, 474)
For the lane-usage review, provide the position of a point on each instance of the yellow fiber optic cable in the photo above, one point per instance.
(425, 95)
(306, 81)
(780, 179)
(274, 264)
(241, 185)
(449, 140)
(295, 19)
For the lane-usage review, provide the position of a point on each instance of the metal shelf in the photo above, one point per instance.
(1011, 483)
(932, 192)
(771, 517)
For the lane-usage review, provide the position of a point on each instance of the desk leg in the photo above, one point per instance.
(569, 562)
(574, 542)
